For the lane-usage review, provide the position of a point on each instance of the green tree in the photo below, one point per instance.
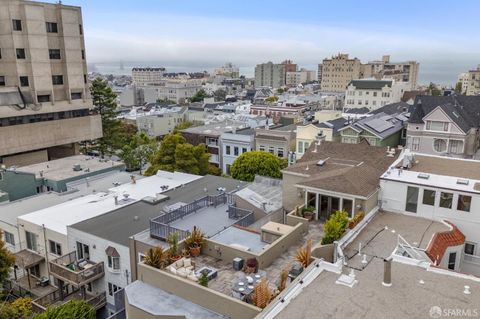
(334, 227)
(185, 160)
(164, 158)
(73, 309)
(280, 90)
(182, 126)
(271, 99)
(138, 151)
(214, 170)
(249, 164)
(433, 90)
(199, 96)
(7, 260)
(458, 87)
(104, 103)
(20, 308)
(203, 159)
(220, 95)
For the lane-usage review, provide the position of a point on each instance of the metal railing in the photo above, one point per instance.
(237, 212)
(42, 303)
(67, 268)
(160, 228)
(246, 220)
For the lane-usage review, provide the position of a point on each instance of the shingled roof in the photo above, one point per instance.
(370, 84)
(463, 110)
(347, 168)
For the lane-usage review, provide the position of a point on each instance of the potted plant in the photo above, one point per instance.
(203, 280)
(156, 257)
(304, 254)
(195, 241)
(173, 250)
(251, 266)
(308, 212)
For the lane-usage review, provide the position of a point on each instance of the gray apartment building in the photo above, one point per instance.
(270, 74)
(45, 107)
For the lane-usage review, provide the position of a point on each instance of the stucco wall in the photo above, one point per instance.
(290, 196)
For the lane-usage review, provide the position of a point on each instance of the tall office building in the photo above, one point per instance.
(147, 76)
(270, 74)
(45, 106)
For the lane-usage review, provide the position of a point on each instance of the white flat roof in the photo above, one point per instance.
(58, 217)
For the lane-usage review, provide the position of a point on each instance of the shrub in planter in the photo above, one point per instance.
(308, 212)
(334, 227)
(173, 250)
(203, 280)
(356, 219)
(195, 241)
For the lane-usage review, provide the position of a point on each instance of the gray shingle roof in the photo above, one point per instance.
(370, 84)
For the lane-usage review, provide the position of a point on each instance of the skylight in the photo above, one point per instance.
(462, 181)
(423, 176)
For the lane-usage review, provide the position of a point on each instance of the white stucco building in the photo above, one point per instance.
(374, 94)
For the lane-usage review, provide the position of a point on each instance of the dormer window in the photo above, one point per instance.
(437, 126)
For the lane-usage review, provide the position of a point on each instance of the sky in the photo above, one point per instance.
(194, 34)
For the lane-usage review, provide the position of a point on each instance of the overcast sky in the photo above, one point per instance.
(443, 36)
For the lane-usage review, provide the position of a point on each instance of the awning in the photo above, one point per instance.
(112, 252)
(27, 258)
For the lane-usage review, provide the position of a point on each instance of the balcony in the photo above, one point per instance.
(55, 299)
(76, 272)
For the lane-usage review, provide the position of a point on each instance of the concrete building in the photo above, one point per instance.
(161, 122)
(338, 71)
(309, 133)
(470, 82)
(295, 78)
(445, 125)
(397, 71)
(235, 144)
(228, 70)
(373, 94)
(270, 75)
(54, 175)
(147, 76)
(45, 106)
(439, 189)
(179, 90)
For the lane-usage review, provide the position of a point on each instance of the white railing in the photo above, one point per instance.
(408, 248)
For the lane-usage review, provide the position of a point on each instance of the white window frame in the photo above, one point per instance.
(9, 237)
(474, 248)
(113, 263)
(57, 247)
(440, 139)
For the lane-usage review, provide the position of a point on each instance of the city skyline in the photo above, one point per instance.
(206, 34)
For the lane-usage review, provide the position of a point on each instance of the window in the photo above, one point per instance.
(227, 150)
(112, 289)
(280, 152)
(31, 240)
(114, 262)
(43, 98)
(300, 148)
(80, 28)
(375, 94)
(52, 27)
(57, 79)
(17, 25)
(415, 143)
(235, 151)
(271, 149)
(24, 81)
(2, 80)
(76, 96)
(83, 251)
(9, 238)
(20, 53)
(469, 248)
(412, 199)
(452, 258)
(446, 200)
(261, 148)
(85, 78)
(54, 54)
(456, 146)
(83, 54)
(437, 126)
(244, 150)
(464, 203)
(55, 248)
(428, 197)
(440, 145)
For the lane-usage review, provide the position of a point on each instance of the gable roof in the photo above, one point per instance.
(463, 110)
(394, 108)
(335, 124)
(370, 84)
(352, 169)
(381, 125)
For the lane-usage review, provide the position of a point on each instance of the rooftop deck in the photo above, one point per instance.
(227, 275)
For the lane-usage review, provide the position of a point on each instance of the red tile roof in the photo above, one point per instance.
(442, 240)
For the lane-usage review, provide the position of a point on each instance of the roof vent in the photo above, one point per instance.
(462, 181)
(321, 163)
(77, 168)
(423, 176)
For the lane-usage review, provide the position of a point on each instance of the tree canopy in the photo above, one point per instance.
(105, 104)
(73, 309)
(175, 154)
(433, 90)
(249, 164)
(138, 151)
(20, 308)
(199, 96)
(220, 95)
(7, 261)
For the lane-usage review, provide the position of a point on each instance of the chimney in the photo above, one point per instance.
(116, 199)
(132, 177)
(387, 272)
